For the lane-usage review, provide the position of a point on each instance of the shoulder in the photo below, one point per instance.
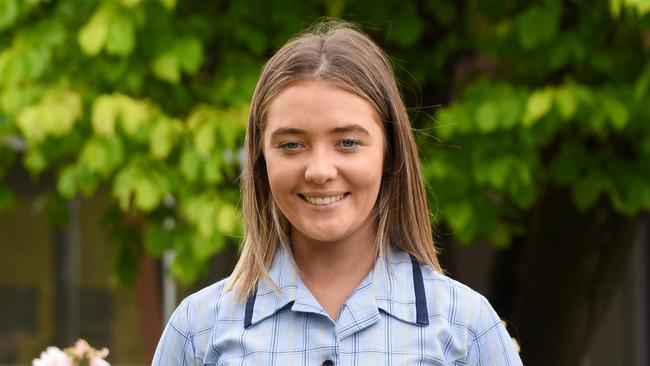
(449, 302)
(457, 303)
(187, 334)
(198, 312)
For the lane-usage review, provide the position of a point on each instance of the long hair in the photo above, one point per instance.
(336, 52)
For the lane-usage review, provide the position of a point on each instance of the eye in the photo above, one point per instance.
(349, 143)
(290, 146)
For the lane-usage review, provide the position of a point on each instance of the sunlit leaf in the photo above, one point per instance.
(121, 35)
(133, 114)
(67, 182)
(169, 4)
(35, 161)
(617, 112)
(130, 3)
(539, 104)
(104, 115)
(189, 52)
(458, 214)
(166, 67)
(8, 13)
(487, 116)
(566, 102)
(92, 36)
(227, 218)
(164, 135)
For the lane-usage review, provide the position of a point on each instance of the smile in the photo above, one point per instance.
(322, 201)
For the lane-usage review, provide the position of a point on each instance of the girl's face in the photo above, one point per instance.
(324, 150)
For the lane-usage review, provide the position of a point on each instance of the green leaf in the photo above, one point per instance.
(538, 25)
(204, 138)
(406, 26)
(500, 235)
(587, 189)
(12, 100)
(640, 6)
(35, 161)
(212, 170)
(615, 7)
(539, 104)
(203, 248)
(227, 218)
(12, 68)
(130, 3)
(566, 102)
(147, 193)
(55, 115)
(166, 67)
(67, 182)
(190, 53)
(92, 36)
(617, 112)
(190, 164)
(499, 171)
(642, 83)
(102, 155)
(458, 214)
(164, 135)
(121, 35)
(569, 163)
(169, 4)
(36, 60)
(105, 112)
(143, 186)
(487, 117)
(8, 13)
(29, 122)
(134, 114)
(157, 240)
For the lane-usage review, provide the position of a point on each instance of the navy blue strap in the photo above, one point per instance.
(422, 314)
(250, 305)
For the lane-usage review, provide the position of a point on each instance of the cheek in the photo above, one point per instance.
(366, 174)
(281, 175)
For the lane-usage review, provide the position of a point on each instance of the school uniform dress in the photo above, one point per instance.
(402, 313)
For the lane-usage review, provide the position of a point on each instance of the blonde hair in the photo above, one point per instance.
(333, 51)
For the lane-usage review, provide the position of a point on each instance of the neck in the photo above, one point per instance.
(332, 270)
(349, 259)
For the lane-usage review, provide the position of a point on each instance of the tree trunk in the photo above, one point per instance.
(574, 260)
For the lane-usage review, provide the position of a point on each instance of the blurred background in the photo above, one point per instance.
(121, 126)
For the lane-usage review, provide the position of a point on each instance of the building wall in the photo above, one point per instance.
(107, 316)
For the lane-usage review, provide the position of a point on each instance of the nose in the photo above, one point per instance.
(321, 168)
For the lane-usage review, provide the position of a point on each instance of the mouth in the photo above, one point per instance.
(323, 200)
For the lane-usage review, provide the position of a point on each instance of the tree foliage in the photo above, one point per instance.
(147, 101)
(558, 97)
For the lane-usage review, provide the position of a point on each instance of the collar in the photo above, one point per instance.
(394, 286)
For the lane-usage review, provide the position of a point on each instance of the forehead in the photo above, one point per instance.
(318, 107)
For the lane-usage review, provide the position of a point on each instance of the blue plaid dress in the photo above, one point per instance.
(402, 313)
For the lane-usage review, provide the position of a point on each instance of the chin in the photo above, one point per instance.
(324, 236)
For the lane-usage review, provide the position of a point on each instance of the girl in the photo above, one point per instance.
(338, 264)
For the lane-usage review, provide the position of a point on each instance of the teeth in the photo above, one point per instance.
(319, 201)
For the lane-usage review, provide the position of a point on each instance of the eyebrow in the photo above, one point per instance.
(353, 127)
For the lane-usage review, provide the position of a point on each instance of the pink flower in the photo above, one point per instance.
(81, 347)
(52, 357)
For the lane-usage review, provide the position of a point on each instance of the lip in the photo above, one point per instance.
(323, 194)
